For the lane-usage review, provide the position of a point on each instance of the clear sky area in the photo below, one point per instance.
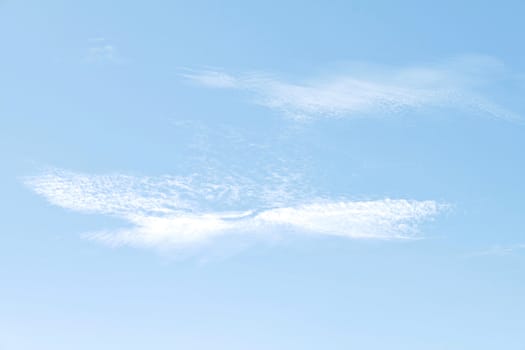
(262, 175)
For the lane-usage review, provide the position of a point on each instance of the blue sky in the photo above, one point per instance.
(279, 175)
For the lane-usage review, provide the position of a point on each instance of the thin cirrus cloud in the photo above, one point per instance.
(173, 212)
(367, 90)
(498, 250)
(101, 50)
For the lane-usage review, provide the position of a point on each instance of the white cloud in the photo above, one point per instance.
(369, 90)
(171, 211)
(386, 219)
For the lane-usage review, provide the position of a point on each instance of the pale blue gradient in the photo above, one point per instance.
(98, 87)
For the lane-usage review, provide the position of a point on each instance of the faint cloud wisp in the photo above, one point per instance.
(498, 250)
(100, 51)
(369, 90)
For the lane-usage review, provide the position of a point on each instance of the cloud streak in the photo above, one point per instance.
(101, 51)
(499, 250)
(173, 212)
(367, 90)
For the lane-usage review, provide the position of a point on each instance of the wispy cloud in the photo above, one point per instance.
(499, 250)
(369, 90)
(101, 50)
(169, 211)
